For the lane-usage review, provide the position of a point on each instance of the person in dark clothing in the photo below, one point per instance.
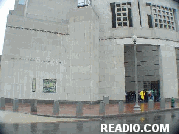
(146, 96)
(127, 96)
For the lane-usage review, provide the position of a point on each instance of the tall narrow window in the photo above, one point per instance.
(34, 85)
(82, 3)
(121, 14)
(22, 2)
(150, 21)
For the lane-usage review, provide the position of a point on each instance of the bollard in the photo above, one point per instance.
(106, 99)
(150, 104)
(56, 107)
(121, 107)
(2, 103)
(33, 105)
(172, 102)
(15, 105)
(79, 109)
(102, 108)
(162, 103)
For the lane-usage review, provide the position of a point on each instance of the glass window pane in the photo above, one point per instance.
(22, 2)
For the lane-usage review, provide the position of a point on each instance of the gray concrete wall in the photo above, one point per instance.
(77, 76)
(168, 71)
(50, 10)
(85, 67)
(84, 40)
(106, 31)
(111, 70)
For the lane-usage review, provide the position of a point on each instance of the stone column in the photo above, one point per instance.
(168, 72)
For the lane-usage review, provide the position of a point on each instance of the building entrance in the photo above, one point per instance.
(147, 70)
(155, 86)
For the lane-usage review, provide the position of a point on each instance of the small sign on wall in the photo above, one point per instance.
(34, 85)
(49, 85)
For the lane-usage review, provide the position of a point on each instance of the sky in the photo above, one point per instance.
(5, 6)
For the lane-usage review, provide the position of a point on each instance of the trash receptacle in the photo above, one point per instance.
(106, 99)
(172, 102)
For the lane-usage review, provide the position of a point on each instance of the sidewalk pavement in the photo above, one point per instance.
(12, 117)
(89, 110)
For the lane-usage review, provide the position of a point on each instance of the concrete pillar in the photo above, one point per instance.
(15, 105)
(150, 104)
(79, 109)
(144, 10)
(135, 14)
(2, 103)
(168, 72)
(106, 99)
(162, 103)
(33, 105)
(102, 108)
(176, 20)
(121, 107)
(56, 107)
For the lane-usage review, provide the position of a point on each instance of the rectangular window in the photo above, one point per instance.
(121, 14)
(150, 21)
(83, 3)
(49, 85)
(22, 2)
(34, 85)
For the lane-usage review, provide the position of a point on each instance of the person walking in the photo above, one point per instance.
(142, 94)
(146, 96)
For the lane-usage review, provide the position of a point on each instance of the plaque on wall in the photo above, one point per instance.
(49, 85)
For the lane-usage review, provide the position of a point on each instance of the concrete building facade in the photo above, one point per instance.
(57, 50)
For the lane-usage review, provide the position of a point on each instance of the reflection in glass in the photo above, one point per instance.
(142, 107)
(2, 128)
(33, 127)
(55, 127)
(79, 126)
(16, 127)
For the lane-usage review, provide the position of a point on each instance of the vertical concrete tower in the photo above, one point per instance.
(59, 50)
(47, 57)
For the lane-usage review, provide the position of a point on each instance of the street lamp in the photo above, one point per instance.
(136, 107)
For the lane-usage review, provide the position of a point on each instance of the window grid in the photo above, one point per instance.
(121, 11)
(163, 17)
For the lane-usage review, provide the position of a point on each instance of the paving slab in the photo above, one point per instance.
(13, 117)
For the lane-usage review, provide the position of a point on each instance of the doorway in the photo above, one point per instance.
(155, 86)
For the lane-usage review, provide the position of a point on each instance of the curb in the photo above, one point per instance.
(93, 118)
